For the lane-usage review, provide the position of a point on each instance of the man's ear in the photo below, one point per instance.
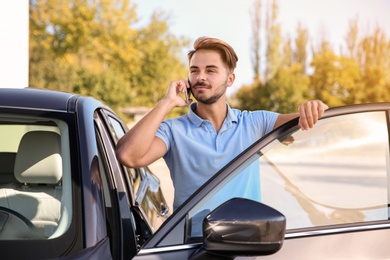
(231, 79)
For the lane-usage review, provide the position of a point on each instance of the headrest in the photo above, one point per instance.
(38, 159)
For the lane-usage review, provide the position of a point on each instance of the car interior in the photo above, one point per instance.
(33, 158)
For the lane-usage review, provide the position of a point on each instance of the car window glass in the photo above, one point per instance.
(134, 174)
(145, 185)
(118, 131)
(336, 173)
(242, 183)
(35, 178)
(116, 128)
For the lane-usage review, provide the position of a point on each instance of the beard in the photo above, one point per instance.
(221, 90)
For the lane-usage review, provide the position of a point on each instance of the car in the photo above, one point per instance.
(62, 191)
(323, 193)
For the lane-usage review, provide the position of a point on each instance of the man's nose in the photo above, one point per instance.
(201, 77)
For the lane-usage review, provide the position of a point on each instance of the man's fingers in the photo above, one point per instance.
(314, 113)
(310, 112)
(304, 118)
(176, 91)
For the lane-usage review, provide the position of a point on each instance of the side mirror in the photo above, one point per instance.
(243, 227)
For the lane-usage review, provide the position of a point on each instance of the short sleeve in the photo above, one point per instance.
(264, 121)
(164, 133)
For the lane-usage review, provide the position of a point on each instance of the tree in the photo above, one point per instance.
(285, 85)
(352, 39)
(336, 79)
(93, 48)
(74, 43)
(373, 56)
(283, 93)
(300, 53)
(359, 74)
(159, 61)
(287, 60)
(256, 40)
(247, 97)
(273, 55)
(289, 88)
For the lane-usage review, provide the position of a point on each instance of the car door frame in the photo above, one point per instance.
(125, 241)
(174, 228)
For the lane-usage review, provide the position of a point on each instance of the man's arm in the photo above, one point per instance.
(139, 146)
(309, 113)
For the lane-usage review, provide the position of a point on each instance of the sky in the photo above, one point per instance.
(230, 20)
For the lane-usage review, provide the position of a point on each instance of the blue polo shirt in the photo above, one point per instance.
(195, 151)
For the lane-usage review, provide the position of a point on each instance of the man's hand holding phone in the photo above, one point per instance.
(179, 93)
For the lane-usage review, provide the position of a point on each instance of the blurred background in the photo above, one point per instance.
(126, 52)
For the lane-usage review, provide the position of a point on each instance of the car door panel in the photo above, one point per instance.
(353, 245)
(332, 187)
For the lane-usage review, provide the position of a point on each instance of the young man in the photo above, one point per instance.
(198, 144)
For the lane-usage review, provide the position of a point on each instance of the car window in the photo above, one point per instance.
(35, 178)
(117, 131)
(116, 128)
(144, 184)
(336, 173)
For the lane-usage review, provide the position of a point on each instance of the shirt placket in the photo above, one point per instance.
(212, 134)
(219, 140)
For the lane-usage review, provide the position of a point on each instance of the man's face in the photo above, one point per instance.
(209, 77)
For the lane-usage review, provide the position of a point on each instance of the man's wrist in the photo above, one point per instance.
(166, 104)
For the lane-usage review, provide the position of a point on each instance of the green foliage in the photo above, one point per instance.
(274, 39)
(335, 79)
(360, 75)
(373, 56)
(300, 53)
(283, 93)
(256, 39)
(94, 48)
(109, 86)
(159, 62)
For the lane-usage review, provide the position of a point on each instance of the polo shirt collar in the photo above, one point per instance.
(197, 121)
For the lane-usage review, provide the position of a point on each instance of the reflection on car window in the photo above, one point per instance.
(135, 178)
(35, 178)
(145, 186)
(118, 131)
(335, 173)
(115, 128)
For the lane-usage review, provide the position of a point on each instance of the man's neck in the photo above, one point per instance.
(215, 113)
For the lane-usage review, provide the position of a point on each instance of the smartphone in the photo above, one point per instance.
(188, 92)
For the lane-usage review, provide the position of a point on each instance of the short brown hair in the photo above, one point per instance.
(228, 55)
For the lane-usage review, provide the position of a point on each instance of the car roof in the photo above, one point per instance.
(30, 98)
